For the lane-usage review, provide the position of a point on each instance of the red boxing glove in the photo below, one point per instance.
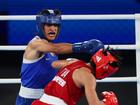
(109, 98)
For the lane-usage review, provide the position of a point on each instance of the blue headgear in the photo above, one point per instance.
(47, 18)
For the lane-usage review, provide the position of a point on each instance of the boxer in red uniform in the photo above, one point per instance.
(76, 78)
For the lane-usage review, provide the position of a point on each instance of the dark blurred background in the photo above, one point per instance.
(108, 31)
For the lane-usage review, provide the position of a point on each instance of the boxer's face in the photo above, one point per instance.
(51, 31)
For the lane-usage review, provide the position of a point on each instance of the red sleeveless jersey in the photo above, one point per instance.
(63, 86)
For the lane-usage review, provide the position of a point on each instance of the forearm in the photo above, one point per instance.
(62, 48)
(90, 92)
(91, 47)
(62, 63)
(92, 97)
(59, 64)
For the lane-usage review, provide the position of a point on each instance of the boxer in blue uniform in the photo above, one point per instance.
(36, 70)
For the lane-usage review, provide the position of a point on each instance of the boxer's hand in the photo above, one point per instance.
(91, 46)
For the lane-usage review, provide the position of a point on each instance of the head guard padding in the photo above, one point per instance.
(47, 17)
(105, 64)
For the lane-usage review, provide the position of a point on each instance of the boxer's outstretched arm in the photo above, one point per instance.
(90, 46)
(38, 46)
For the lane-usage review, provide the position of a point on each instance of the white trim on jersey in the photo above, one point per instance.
(48, 99)
(30, 92)
(32, 61)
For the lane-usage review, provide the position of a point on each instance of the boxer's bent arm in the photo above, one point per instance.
(90, 91)
(59, 64)
(83, 78)
(62, 63)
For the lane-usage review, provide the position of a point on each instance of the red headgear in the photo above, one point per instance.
(105, 64)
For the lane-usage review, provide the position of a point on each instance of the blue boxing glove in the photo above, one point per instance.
(91, 46)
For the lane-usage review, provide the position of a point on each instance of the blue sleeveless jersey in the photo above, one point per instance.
(36, 74)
